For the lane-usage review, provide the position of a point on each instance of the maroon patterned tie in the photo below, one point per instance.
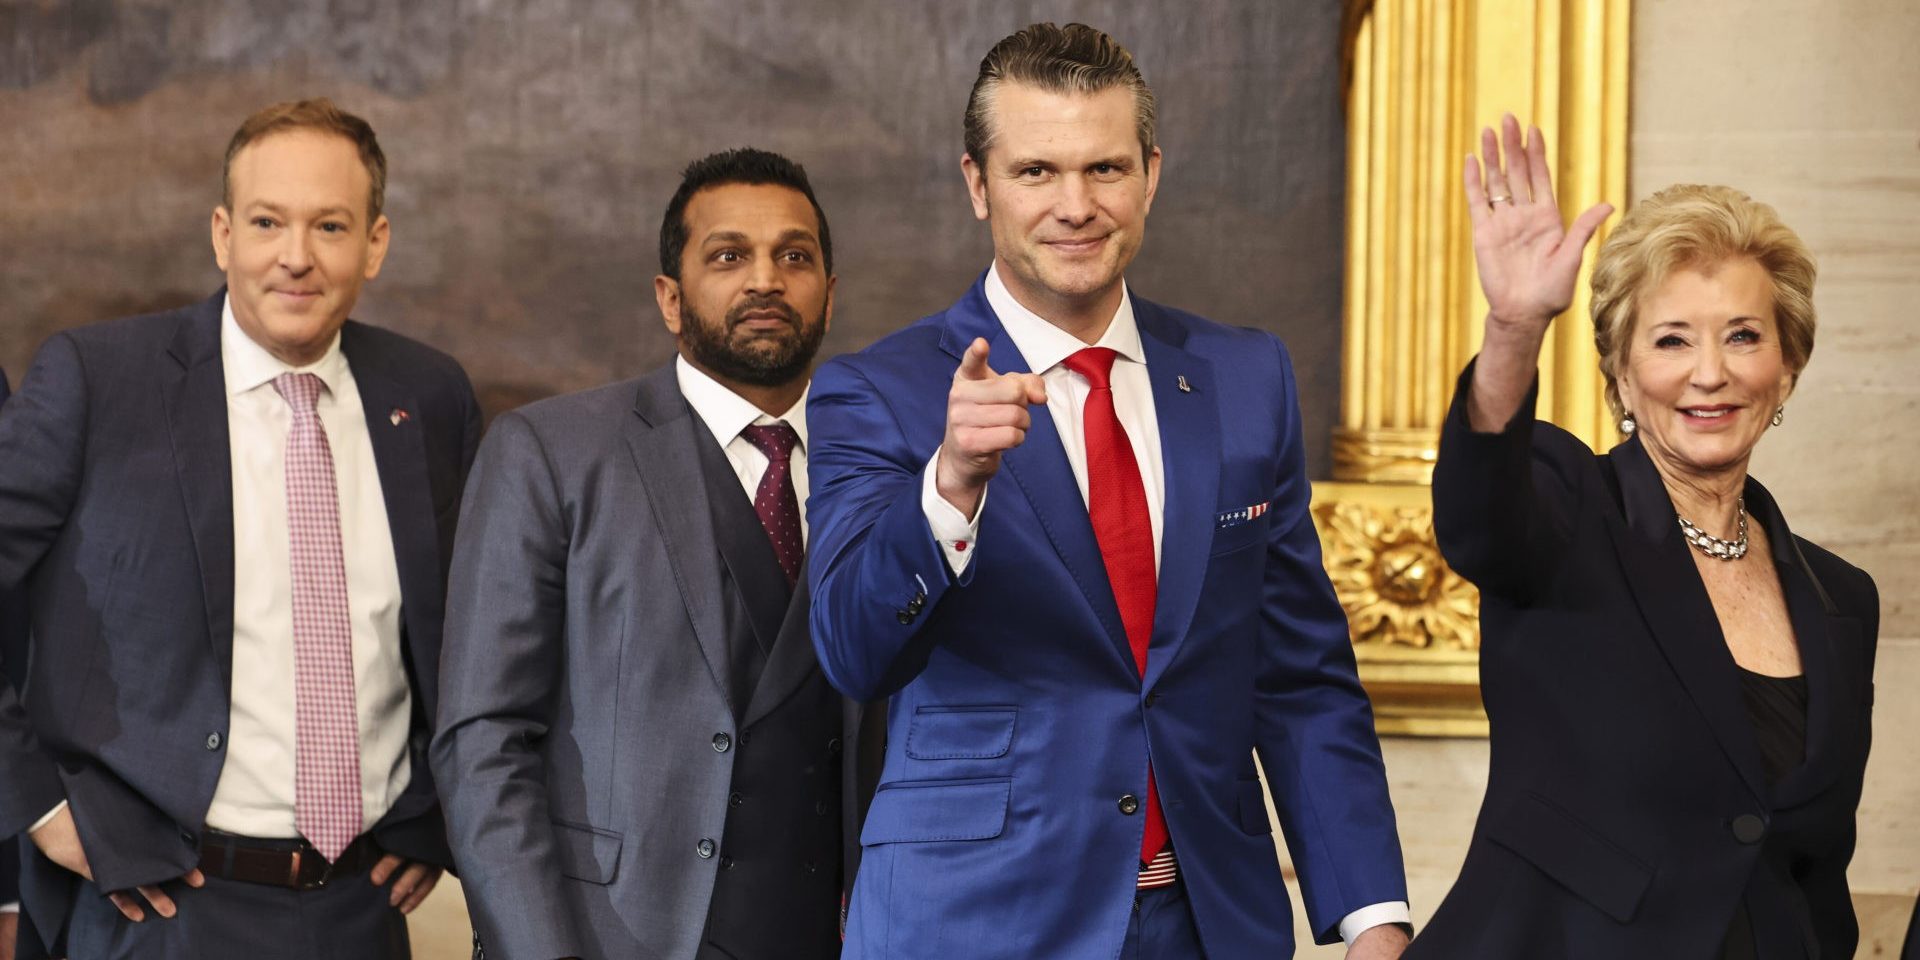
(326, 752)
(775, 502)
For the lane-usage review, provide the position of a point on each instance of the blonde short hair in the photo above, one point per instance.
(1691, 225)
(319, 115)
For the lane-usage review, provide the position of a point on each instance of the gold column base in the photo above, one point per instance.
(1415, 623)
(1385, 454)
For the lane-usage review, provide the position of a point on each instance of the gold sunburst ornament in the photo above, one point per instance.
(1388, 574)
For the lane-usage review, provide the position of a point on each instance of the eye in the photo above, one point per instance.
(263, 223)
(798, 256)
(1670, 340)
(1105, 169)
(331, 227)
(1744, 335)
(727, 256)
(1033, 172)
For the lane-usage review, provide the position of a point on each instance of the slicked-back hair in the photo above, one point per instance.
(1074, 59)
(319, 115)
(1697, 226)
(743, 165)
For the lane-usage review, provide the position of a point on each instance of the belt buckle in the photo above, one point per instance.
(293, 871)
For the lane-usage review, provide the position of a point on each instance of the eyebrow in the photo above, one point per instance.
(792, 235)
(274, 208)
(1682, 324)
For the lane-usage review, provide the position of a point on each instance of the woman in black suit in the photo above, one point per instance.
(1678, 686)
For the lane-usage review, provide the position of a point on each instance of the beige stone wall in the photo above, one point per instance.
(1812, 106)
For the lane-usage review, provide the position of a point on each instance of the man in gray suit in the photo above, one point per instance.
(637, 751)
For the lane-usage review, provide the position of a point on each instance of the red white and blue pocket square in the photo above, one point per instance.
(1234, 518)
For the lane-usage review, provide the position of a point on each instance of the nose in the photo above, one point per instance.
(765, 276)
(1709, 368)
(1074, 205)
(296, 252)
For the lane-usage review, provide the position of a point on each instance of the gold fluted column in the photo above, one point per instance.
(1423, 77)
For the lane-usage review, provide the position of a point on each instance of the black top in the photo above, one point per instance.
(1778, 708)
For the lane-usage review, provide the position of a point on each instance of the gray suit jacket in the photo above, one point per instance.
(588, 734)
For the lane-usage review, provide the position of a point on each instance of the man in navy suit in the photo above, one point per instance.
(232, 522)
(1089, 583)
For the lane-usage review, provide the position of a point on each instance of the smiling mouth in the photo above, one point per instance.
(1708, 413)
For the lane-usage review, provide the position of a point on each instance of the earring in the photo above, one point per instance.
(1779, 414)
(1627, 426)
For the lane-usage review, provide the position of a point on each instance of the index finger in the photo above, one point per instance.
(973, 363)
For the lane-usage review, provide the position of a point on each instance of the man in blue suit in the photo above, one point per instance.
(232, 523)
(1089, 584)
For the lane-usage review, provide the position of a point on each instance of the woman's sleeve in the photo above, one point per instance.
(1504, 502)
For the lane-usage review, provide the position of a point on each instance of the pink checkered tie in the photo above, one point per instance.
(326, 778)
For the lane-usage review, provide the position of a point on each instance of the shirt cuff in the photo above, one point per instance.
(955, 532)
(1366, 918)
(10, 907)
(48, 818)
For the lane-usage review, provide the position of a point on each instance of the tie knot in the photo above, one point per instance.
(776, 440)
(1094, 363)
(300, 390)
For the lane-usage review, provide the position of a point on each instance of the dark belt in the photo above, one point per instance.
(293, 864)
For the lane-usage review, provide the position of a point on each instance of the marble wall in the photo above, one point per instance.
(1809, 105)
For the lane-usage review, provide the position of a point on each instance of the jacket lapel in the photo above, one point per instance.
(663, 440)
(1673, 601)
(195, 396)
(1190, 457)
(791, 662)
(400, 459)
(1815, 626)
(1040, 469)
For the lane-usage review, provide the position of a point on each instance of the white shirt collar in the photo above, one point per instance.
(727, 413)
(1044, 345)
(247, 365)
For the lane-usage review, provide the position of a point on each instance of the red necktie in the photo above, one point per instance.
(775, 501)
(1117, 504)
(326, 742)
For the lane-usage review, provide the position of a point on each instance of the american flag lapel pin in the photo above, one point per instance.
(1185, 387)
(398, 417)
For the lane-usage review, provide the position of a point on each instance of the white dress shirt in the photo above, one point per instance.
(727, 413)
(255, 795)
(1044, 347)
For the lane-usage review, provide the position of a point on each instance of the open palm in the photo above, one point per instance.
(1528, 258)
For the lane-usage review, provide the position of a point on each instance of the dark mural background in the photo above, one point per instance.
(534, 144)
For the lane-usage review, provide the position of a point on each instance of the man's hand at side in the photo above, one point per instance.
(59, 839)
(412, 881)
(986, 416)
(1384, 942)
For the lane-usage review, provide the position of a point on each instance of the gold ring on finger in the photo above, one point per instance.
(1503, 198)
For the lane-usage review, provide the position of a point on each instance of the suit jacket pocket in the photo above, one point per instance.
(923, 811)
(1253, 807)
(586, 853)
(1230, 538)
(960, 733)
(1573, 855)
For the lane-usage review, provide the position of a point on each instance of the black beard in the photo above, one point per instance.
(776, 361)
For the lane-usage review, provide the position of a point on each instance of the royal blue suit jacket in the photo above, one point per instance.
(1018, 720)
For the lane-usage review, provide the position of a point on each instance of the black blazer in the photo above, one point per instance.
(13, 668)
(116, 513)
(1626, 809)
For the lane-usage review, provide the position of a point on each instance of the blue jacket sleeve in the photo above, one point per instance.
(877, 573)
(1315, 734)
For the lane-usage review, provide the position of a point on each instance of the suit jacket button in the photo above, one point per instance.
(722, 743)
(213, 741)
(735, 799)
(1153, 698)
(917, 603)
(833, 746)
(704, 848)
(1129, 804)
(1748, 828)
(726, 863)
(904, 617)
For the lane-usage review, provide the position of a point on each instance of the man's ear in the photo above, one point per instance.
(976, 185)
(666, 293)
(377, 246)
(222, 236)
(1153, 179)
(826, 318)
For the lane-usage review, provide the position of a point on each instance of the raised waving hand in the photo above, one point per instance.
(1528, 261)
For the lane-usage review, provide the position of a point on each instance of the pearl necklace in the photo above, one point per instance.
(1713, 546)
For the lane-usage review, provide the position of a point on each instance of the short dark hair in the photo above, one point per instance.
(319, 115)
(744, 165)
(1075, 59)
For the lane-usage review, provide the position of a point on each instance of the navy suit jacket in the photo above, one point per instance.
(1627, 812)
(13, 666)
(116, 514)
(1018, 720)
